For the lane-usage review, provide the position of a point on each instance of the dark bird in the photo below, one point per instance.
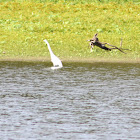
(95, 42)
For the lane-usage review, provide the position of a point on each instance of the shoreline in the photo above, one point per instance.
(67, 30)
(70, 60)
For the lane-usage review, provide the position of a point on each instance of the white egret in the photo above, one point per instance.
(55, 60)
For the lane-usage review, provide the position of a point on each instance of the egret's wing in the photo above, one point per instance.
(56, 61)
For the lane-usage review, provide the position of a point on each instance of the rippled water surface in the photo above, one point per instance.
(78, 102)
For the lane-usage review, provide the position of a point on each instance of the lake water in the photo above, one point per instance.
(81, 101)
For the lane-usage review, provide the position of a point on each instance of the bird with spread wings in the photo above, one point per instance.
(95, 42)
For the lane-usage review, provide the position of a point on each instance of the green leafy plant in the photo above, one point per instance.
(67, 25)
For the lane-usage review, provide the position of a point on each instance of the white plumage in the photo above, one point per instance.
(55, 60)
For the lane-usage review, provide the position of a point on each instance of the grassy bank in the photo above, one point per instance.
(67, 25)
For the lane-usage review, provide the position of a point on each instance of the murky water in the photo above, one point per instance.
(78, 102)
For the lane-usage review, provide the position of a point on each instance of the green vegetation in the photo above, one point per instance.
(67, 25)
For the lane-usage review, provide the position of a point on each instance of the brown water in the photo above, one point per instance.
(78, 102)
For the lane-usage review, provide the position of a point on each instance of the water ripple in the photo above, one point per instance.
(80, 101)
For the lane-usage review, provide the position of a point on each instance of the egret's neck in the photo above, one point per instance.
(48, 46)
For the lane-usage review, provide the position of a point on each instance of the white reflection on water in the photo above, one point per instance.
(79, 101)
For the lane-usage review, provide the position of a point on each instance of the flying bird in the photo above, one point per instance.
(95, 42)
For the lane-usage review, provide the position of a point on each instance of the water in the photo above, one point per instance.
(78, 102)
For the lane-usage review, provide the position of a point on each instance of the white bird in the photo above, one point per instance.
(55, 60)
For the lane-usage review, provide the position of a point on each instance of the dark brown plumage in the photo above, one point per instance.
(95, 42)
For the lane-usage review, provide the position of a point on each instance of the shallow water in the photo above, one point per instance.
(81, 101)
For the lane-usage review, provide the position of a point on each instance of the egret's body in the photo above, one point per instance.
(55, 60)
